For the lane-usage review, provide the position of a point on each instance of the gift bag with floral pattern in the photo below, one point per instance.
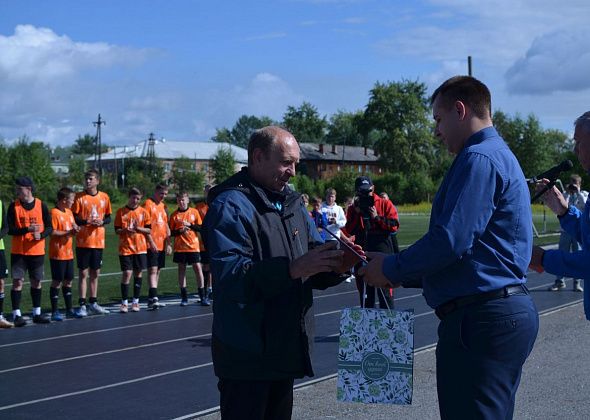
(376, 356)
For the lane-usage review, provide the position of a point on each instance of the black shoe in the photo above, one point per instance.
(19, 321)
(41, 319)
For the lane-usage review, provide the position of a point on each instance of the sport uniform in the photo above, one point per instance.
(187, 246)
(90, 240)
(159, 222)
(132, 250)
(27, 254)
(61, 260)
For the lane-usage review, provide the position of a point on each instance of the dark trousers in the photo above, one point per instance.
(385, 243)
(256, 400)
(479, 356)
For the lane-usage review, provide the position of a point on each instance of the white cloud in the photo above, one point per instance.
(555, 61)
(39, 54)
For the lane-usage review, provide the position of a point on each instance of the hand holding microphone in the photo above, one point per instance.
(550, 176)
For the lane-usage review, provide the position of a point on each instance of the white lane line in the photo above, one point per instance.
(100, 388)
(102, 353)
(59, 337)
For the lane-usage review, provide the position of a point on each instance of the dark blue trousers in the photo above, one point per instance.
(255, 400)
(479, 357)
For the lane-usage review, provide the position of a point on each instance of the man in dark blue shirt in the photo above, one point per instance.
(472, 262)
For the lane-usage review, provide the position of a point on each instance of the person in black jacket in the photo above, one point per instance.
(266, 257)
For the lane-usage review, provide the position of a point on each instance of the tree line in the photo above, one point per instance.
(396, 122)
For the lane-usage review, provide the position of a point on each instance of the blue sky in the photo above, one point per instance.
(183, 68)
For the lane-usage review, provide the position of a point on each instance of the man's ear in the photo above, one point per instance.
(257, 155)
(461, 110)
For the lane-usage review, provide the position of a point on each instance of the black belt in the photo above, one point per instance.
(446, 308)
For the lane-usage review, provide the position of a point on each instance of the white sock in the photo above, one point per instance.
(36, 311)
(16, 313)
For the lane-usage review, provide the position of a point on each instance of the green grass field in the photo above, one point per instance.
(412, 227)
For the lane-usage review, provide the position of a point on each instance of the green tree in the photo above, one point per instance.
(345, 128)
(32, 159)
(6, 178)
(241, 131)
(535, 148)
(85, 145)
(398, 115)
(76, 169)
(305, 123)
(185, 177)
(222, 135)
(244, 127)
(223, 164)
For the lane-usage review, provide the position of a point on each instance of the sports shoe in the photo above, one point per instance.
(56, 316)
(210, 293)
(19, 321)
(123, 308)
(81, 312)
(184, 302)
(350, 278)
(577, 287)
(205, 302)
(135, 307)
(558, 285)
(155, 304)
(41, 319)
(4, 323)
(96, 309)
(72, 314)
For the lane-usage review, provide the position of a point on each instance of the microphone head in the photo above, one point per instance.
(566, 165)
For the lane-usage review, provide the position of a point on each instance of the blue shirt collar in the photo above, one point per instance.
(481, 135)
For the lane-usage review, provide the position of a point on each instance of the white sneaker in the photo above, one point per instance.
(96, 309)
(349, 279)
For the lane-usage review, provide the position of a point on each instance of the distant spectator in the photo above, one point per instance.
(319, 218)
(334, 214)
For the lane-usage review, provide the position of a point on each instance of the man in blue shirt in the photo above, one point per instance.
(572, 220)
(472, 262)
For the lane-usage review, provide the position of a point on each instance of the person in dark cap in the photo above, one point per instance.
(372, 220)
(29, 223)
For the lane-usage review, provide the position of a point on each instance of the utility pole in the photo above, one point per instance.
(98, 141)
(151, 155)
(469, 72)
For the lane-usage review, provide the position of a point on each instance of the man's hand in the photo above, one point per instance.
(373, 212)
(349, 259)
(553, 198)
(372, 273)
(537, 259)
(324, 258)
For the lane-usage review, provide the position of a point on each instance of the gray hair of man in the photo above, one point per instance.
(583, 121)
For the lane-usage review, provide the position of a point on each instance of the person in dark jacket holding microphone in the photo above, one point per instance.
(266, 257)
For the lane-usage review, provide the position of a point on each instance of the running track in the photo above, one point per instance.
(157, 365)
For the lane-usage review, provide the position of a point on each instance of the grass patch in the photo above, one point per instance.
(413, 224)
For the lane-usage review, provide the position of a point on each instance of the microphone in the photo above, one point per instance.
(553, 173)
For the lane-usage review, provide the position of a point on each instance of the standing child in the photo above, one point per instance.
(185, 222)
(92, 211)
(158, 242)
(61, 253)
(319, 218)
(132, 224)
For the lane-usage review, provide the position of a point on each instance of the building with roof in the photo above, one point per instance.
(321, 161)
(167, 152)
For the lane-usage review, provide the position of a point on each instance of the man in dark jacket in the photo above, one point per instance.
(266, 257)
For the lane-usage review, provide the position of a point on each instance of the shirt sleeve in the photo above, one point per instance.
(46, 221)
(468, 204)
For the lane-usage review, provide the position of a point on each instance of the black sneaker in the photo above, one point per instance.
(19, 321)
(41, 319)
